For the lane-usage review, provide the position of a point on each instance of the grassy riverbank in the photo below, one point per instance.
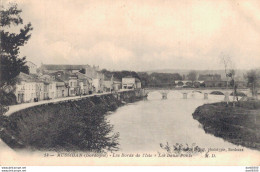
(239, 125)
(73, 125)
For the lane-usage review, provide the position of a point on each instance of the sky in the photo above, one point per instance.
(143, 35)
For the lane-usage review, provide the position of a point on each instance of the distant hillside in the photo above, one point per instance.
(239, 73)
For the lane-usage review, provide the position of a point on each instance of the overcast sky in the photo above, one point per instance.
(143, 35)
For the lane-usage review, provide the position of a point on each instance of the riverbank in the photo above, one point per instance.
(239, 125)
(69, 125)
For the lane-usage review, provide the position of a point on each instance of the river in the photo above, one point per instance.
(144, 125)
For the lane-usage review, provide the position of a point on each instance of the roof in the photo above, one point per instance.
(64, 76)
(82, 76)
(60, 84)
(31, 63)
(117, 82)
(58, 80)
(128, 76)
(27, 78)
(137, 80)
(63, 67)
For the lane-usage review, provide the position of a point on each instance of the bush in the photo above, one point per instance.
(3, 109)
(7, 98)
(240, 94)
(239, 125)
(69, 126)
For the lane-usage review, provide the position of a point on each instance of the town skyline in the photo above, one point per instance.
(146, 36)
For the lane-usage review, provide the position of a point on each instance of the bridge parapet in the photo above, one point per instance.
(205, 92)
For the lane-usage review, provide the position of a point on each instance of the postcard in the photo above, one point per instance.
(130, 83)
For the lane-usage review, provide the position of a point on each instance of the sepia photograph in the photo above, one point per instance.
(129, 83)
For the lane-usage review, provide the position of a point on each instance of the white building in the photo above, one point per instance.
(48, 87)
(97, 85)
(74, 87)
(117, 85)
(32, 67)
(61, 89)
(84, 83)
(131, 83)
(52, 90)
(25, 91)
(26, 88)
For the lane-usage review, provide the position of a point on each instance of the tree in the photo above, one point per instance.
(83, 70)
(11, 64)
(230, 73)
(192, 76)
(252, 80)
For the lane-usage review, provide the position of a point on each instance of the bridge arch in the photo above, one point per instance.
(197, 94)
(217, 93)
(154, 95)
(196, 91)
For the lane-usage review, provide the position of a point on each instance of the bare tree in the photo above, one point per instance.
(230, 74)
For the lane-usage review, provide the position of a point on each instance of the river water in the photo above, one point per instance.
(144, 125)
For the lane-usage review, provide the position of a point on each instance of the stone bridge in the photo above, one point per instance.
(206, 91)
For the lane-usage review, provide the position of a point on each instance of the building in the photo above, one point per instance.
(98, 85)
(94, 82)
(138, 83)
(49, 87)
(97, 78)
(85, 83)
(117, 85)
(112, 84)
(27, 88)
(45, 91)
(32, 67)
(131, 83)
(50, 68)
(74, 88)
(108, 85)
(62, 89)
(70, 83)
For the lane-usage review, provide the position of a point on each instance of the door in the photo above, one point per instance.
(20, 98)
